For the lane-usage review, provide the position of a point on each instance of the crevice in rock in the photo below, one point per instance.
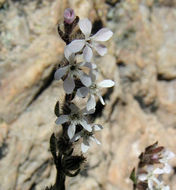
(120, 63)
(97, 25)
(46, 83)
(112, 2)
(3, 149)
(161, 77)
(33, 187)
(165, 3)
(84, 172)
(115, 103)
(38, 171)
(174, 168)
(152, 107)
(128, 33)
(5, 6)
(129, 73)
(42, 168)
(26, 159)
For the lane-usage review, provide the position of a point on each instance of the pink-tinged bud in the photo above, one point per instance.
(69, 15)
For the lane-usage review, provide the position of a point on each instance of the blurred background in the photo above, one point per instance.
(140, 109)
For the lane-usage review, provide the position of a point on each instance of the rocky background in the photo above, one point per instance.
(140, 109)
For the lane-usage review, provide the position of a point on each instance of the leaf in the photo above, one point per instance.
(133, 176)
(56, 109)
(53, 146)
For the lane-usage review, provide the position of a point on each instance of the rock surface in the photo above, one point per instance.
(140, 109)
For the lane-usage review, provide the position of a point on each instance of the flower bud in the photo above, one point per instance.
(151, 155)
(69, 15)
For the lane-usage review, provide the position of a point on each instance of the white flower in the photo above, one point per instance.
(87, 137)
(165, 157)
(93, 90)
(73, 70)
(161, 186)
(75, 117)
(150, 176)
(90, 41)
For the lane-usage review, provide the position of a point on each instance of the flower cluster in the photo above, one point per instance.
(153, 164)
(79, 75)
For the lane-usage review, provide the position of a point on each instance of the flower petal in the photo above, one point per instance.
(101, 49)
(158, 171)
(97, 127)
(71, 130)
(76, 137)
(106, 83)
(69, 85)
(82, 92)
(102, 35)
(86, 112)
(166, 188)
(87, 54)
(76, 45)
(85, 79)
(168, 155)
(85, 26)
(156, 180)
(91, 103)
(85, 125)
(94, 75)
(94, 139)
(167, 168)
(62, 119)
(142, 177)
(88, 65)
(84, 146)
(67, 52)
(150, 168)
(60, 72)
(101, 99)
(94, 66)
(150, 184)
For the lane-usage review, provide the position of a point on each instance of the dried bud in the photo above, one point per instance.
(72, 162)
(148, 176)
(64, 146)
(151, 155)
(66, 108)
(69, 15)
(151, 147)
(142, 186)
(70, 97)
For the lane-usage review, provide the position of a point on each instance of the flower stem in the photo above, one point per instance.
(60, 181)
